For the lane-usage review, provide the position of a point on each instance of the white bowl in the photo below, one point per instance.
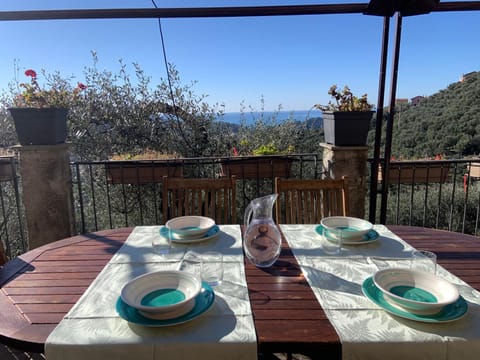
(190, 226)
(162, 294)
(353, 229)
(417, 292)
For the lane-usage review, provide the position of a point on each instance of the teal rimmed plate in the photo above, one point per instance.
(212, 233)
(368, 238)
(203, 302)
(449, 313)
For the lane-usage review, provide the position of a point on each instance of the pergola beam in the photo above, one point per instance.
(182, 12)
(138, 13)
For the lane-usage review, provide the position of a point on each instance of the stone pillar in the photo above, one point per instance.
(349, 161)
(47, 192)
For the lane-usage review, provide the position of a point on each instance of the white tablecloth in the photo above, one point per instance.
(366, 331)
(93, 330)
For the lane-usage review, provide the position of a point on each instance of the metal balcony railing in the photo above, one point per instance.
(442, 194)
(12, 236)
(128, 193)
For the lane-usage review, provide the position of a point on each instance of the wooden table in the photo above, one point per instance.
(39, 288)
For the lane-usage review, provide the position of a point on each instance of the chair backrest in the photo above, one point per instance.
(3, 256)
(308, 201)
(215, 198)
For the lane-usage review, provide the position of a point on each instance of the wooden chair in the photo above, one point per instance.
(3, 255)
(215, 198)
(308, 201)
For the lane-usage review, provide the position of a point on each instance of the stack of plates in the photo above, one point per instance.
(415, 295)
(163, 294)
(355, 231)
(187, 229)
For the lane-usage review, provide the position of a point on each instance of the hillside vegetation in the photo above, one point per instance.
(447, 122)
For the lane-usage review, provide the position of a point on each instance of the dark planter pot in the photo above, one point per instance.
(257, 167)
(407, 173)
(142, 172)
(40, 126)
(7, 168)
(346, 128)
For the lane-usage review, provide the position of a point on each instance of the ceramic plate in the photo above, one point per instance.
(352, 228)
(449, 313)
(203, 302)
(417, 292)
(162, 292)
(213, 232)
(370, 237)
(190, 227)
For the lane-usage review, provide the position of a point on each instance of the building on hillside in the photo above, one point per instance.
(467, 75)
(416, 100)
(400, 104)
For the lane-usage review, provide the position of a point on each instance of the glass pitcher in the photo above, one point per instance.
(262, 240)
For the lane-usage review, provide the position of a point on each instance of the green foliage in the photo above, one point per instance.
(271, 149)
(119, 113)
(266, 135)
(447, 122)
(345, 101)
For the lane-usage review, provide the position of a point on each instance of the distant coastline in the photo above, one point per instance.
(279, 116)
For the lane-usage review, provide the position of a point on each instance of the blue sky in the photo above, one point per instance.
(290, 61)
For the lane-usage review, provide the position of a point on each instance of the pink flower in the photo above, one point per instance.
(235, 151)
(81, 86)
(31, 73)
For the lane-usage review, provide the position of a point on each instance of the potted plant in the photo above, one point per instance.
(347, 120)
(39, 115)
(264, 162)
(147, 167)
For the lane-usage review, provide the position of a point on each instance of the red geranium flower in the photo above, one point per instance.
(31, 73)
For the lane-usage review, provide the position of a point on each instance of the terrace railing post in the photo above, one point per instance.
(349, 161)
(47, 192)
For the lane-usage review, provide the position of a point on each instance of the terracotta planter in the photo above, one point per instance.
(410, 173)
(346, 128)
(257, 167)
(34, 126)
(7, 171)
(142, 172)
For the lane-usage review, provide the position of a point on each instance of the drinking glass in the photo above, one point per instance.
(332, 241)
(191, 262)
(161, 245)
(212, 268)
(424, 260)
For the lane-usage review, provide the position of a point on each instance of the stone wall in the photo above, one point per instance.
(47, 193)
(349, 161)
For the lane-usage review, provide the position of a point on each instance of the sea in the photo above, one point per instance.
(279, 116)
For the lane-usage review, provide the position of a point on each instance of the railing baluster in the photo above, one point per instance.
(92, 191)
(80, 196)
